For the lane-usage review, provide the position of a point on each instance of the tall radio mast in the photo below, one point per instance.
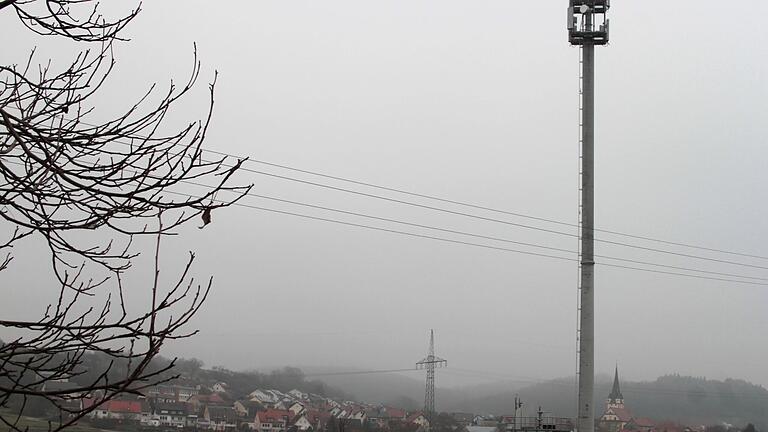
(587, 27)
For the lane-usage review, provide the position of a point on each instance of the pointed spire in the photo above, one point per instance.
(616, 391)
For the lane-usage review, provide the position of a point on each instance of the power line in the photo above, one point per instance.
(484, 237)
(494, 247)
(489, 219)
(677, 274)
(384, 219)
(469, 205)
(503, 240)
(485, 246)
(409, 203)
(675, 267)
(481, 207)
(498, 238)
(451, 231)
(405, 233)
(495, 210)
(525, 226)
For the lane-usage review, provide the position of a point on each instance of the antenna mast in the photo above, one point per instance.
(587, 27)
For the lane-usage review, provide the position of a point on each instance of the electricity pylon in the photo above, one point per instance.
(430, 363)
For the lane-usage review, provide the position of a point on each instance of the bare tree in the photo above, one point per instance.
(87, 189)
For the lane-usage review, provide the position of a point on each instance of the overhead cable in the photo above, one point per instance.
(475, 206)
(480, 245)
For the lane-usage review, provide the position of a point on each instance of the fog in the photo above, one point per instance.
(474, 102)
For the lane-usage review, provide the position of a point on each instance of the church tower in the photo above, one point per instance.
(615, 399)
(616, 414)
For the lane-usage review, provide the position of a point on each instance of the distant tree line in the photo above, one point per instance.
(688, 400)
(239, 384)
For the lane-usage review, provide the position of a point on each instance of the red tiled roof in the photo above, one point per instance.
(643, 422)
(273, 415)
(316, 416)
(215, 398)
(396, 412)
(122, 406)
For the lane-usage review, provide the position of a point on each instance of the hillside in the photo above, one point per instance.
(408, 391)
(688, 400)
(191, 371)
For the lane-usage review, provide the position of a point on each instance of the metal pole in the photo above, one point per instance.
(586, 421)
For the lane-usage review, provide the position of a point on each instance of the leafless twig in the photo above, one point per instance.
(63, 173)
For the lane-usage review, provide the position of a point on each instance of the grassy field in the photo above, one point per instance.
(41, 425)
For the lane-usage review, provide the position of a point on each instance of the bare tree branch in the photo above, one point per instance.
(65, 172)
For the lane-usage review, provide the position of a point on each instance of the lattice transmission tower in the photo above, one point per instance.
(430, 363)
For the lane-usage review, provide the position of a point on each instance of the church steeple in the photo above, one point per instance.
(616, 415)
(616, 395)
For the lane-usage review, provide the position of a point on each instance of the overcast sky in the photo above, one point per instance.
(475, 101)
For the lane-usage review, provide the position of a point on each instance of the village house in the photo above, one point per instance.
(419, 419)
(263, 396)
(359, 415)
(298, 395)
(351, 425)
(171, 393)
(219, 387)
(312, 419)
(272, 420)
(377, 418)
(197, 402)
(220, 418)
(296, 408)
(485, 421)
(171, 414)
(382, 417)
(640, 424)
(192, 418)
(185, 392)
(395, 413)
(303, 423)
(120, 410)
(248, 408)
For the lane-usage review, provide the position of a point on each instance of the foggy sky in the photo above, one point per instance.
(473, 101)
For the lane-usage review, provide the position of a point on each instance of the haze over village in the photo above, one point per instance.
(403, 216)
